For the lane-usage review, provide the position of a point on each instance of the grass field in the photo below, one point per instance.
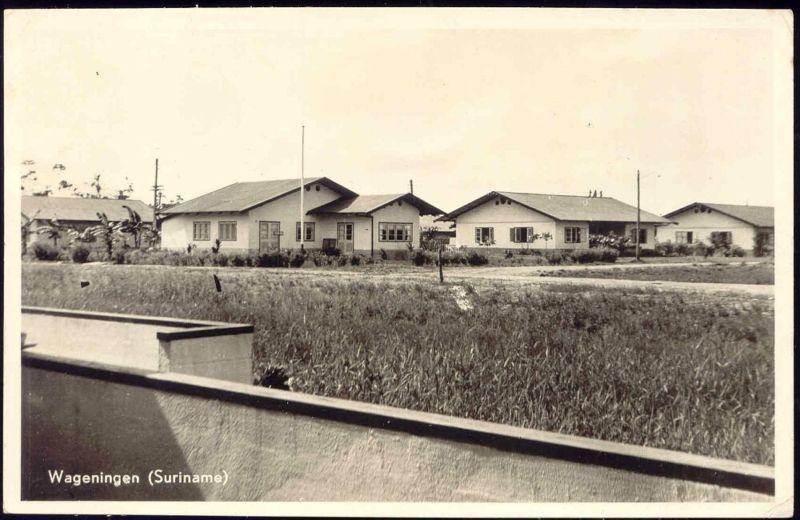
(758, 274)
(655, 369)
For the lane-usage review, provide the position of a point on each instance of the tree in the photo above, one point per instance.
(133, 226)
(106, 231)
(26, 225)
(546, 236)
(55, 231)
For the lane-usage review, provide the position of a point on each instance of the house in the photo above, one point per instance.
(509, 220)
(738, 224)
(265, 216)
(78, 213)
(442, 232)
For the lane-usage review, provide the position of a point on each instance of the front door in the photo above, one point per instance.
(269, 236)
(344, 237)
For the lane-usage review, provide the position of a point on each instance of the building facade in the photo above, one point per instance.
(265, 216)
(739, 225)
(507, 221)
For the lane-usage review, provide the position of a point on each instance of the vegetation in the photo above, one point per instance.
(760, 274)
(655, 369)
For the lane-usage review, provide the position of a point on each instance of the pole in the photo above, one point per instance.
(155, 190)
(638, 214)
(441, 273)
(302, 183)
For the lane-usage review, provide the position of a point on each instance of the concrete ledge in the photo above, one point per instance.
(629, 458)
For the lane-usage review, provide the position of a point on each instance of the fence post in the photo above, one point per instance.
(441, 273)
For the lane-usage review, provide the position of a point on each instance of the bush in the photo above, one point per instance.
(80, 254)
(682, 249)
(599, 254)
(342, 260)
(508, 254)
(238, 260)
(276, 259)
(332, 251)
(420, 257)
(118, 256)
(737, 251)
(453, 258)
(298, 259)
(700, 249)
(665, 248)
(357, 259)
(221, 260)
(45, 252)
(384, 255)
(476, 258)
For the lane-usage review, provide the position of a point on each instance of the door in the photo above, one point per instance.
(269, 236)
(344, 237)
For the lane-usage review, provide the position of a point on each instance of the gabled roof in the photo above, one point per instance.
(759, 216)
(367, 204)
(243, 196)
(567, 207)
(79, 209)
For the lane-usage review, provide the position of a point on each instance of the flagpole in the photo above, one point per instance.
(302, 183)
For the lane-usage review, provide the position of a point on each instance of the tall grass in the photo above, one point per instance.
(759, 274)
(650, 369)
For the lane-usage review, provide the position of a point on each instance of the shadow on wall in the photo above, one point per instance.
(137, 422)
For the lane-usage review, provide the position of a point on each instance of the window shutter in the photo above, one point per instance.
(491, 234)
(529, 238)
(566, 235)
(477, 235)
(578, 230)
(513, 238)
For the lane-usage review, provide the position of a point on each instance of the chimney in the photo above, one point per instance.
(411, 185)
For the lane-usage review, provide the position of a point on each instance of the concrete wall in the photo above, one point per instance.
(502, 217)
(702, 224)
(272, 445)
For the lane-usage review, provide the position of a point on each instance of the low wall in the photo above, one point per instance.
(269, 445)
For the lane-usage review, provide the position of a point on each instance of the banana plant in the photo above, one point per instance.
(26, 225)
(133, 226)
(55, 231)
(106, 231)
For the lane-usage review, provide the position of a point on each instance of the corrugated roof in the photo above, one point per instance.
(568, 207)
(242, 196)
(759, 216)
(75, 208)
(366, 204)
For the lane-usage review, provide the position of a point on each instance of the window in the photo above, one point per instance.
(201, 231)
(394, 232)
(521, 234)
(721, 237)
(642, 235)
(309, 232)
(227, 231)
(684, 237)
(572, 235)
(484, 235)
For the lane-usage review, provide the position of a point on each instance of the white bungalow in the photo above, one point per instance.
(508, 220)
(265, 216)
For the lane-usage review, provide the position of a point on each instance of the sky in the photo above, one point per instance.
(463, 105)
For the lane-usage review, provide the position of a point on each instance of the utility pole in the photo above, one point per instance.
(302, 182)
(638, 214)
(156, 196)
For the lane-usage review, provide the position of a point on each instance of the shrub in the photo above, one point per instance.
(682, 249)
(298, 259)
(342, 260)
(384, 255)
(80, 254)
(737, 251)
(665, 248)
(508, 254)
(276, 259)
(357, 259)
(599, 254)
(476, 258)
(420, 257)
(453, 258)
(700, 249)
(45, 252)
(761, 244)
(239, 260)
(332, 251)
(221, 260)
